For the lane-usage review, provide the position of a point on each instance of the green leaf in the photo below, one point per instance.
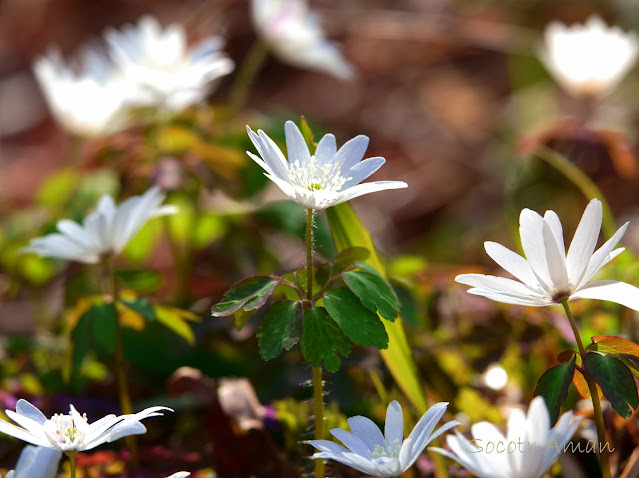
(374, 292)
(171, 318)
(241, 318)
(142, 306)
(81, 343)
(307, 132)
(553, 386)
(358, 323)
(615, 380)
(104, 321)
(348, 231)
(280, 328)
(614, 344)
(141, 281)
(248, 294)
(323, 340)
(628, 362)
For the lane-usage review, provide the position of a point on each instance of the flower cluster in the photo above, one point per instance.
(145, 65)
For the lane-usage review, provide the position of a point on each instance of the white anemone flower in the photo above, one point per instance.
(295, 36)
(548, 275)
(528, 450)
(36, 462)
(158, 61)
(325, 179)
(91, 101)
(72, 433)
(384, 455)
(105, 231)
(590, 59)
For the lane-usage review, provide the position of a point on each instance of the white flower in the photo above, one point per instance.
(588, 59)
(72, 432)
(548, 275)
(528, 450)
(36, 462)
(295, 36)
(328, 178)
(92, 102)
(180, 474)
(105, 231)
(384, 455)
(160, 64)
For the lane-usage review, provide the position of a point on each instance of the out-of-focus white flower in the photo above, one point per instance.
(72, 433)
(384, 455)
(36, 462)
(548, 275)
(528, 450)
(180, 474)
(294, 34)
(495, 377)
(90, 101)
(105, 231)
(158, 61)
(328, 178)
(588, 59)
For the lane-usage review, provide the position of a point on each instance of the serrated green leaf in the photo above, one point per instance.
(615, 380)
(358, 323)
(248, 294)
(553, 386)
(322, 340)
(280, 328)
(374, 292)
(348, 231)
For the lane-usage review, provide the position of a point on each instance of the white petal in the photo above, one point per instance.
(531, 231)
(326, 150)
(352, 442)
(351, 152)
(296, 144)
(26, 409)
(511, 262)
(37, 462)
(367, 188)
(614, 291)
(603, 255)
(394, 425)
(366, 430)
(361, 171)
(555, 260)
(501, 286)
(584, 241)
(555, 225)
(509, 299)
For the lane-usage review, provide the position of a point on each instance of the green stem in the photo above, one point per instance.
(110, 287)
(72, 463)
(318, 384)
(582, 181)
(604, 456)
(245, 76)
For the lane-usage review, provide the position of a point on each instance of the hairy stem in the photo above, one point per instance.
(318, 384)
(604, 456)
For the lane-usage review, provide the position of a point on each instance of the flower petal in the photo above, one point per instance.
(367, 188)
(361, 171)
(351, 152)
(603, 255)
(296, 147)
(501, 286)
(512, 262)
(352, 442)
(555, 226)
(584, 241)
(531, 231)
(326, 150)
(26, 409)
(394, 425)
(366, 430)
(614, 291)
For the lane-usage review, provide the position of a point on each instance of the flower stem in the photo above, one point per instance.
(582, 181)
(110, 287)
(318, 384)
(594, 395)
(250, 67)
(72, 463)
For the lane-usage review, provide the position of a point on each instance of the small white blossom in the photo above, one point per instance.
(72, 433)
(105, 231)
(548, 275)
(325, 179)
(158, 61)
(90, 101)
(36, 462)
(383, 455)
(588, 59)
(528, 450)
(294, 34)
